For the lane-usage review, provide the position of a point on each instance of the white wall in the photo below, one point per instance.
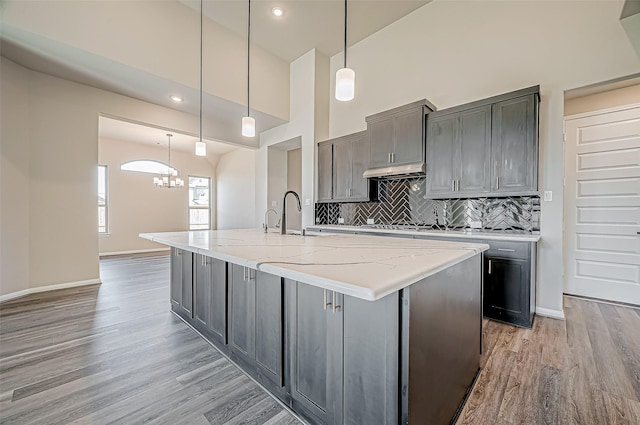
(308, 104)
(453, 52)
(605, 100)
(135, 205)
(59, 198)
(14, 179)
(236, 190)
(294, 182)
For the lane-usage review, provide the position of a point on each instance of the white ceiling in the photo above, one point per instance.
(136, 133)
(306, 24)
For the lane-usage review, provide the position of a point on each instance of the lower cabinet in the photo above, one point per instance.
(256, 324)
(210, 298)
(507, 290)
(182, 282)
(343, 356)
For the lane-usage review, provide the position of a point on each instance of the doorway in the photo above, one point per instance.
(602, 203)
(284, 161)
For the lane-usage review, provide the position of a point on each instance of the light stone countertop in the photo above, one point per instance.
(515, 237)
(363, 266)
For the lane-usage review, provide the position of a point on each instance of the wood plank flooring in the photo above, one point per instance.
(582, 371)
(114, 354)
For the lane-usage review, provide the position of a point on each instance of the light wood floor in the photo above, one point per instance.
(115, 354)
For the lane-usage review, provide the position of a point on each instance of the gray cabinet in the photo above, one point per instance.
(396, 137)
(343, 356)
(325, 165)
(509, 283)
(210, 298)
(182, 282)
(459, 152)
(345, 159)
(256, 324)
(514, 145)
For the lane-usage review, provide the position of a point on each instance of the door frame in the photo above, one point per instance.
(566, 213)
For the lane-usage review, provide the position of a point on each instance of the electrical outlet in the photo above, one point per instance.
(370, 221)
(307, 201)
(548, 196)
(340, 220)
(475, 224)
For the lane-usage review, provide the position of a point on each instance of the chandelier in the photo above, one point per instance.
(169, 179)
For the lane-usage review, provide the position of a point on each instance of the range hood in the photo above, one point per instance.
(397, 171)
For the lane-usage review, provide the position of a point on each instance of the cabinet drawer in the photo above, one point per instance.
(507, 249)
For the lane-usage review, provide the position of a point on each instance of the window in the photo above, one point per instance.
(199, 203)
(103, 215)
(147, 166)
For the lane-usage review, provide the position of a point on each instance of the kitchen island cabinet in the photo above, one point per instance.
(348, 329)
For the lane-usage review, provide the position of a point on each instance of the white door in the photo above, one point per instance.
(602, 205)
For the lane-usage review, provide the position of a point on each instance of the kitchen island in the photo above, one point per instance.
(343, 329)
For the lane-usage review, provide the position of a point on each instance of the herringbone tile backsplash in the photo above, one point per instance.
(402, 202)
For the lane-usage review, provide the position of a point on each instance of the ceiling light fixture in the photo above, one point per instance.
(248, 123)
(201, 147)
(277, 11)
(345, 77)
(177, 99)
(170, 179)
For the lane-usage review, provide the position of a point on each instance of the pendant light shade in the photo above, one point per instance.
(248, 123)
(345, 84)
(248, 127)
(201, 149)
(345, 77)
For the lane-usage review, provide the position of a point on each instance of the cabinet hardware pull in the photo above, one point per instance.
(393, 157)
(497, 182)
(506, 250)
(489, 266)
(335, 306)
(347, 192)
(389, 157)
(325, 304)
(244, 274)
(453, 185)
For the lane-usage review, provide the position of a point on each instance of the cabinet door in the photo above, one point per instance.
(359, 164)
(242, 312)
(371, 364)
(187, 284)
(269, 319)
(408, 137)
(506, 290)
(310, 351)
(513, 145)
(381, 134)
(441, 154)
(325, 160)
(474, 161)
(202, 291)
(218, 299)
(176, 278)
(341, 170)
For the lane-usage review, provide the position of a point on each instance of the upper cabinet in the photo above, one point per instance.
(514, 145)
(341, 163)
(485, 148)
(396, 136)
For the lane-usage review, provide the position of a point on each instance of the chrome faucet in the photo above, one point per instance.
(283, 217)
(265, 225)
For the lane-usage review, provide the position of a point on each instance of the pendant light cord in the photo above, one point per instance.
(248, 54)
(345, 33)
(201, 13)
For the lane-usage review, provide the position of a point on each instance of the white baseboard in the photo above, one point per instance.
(547, 312)
(135, 251)
(47, 288)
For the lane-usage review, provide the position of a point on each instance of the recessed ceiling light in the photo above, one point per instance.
(177, 99)
(277, 11)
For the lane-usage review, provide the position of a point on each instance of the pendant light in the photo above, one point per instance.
(201, 147)
(170, 180)
(345, 77)
(248, 123)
